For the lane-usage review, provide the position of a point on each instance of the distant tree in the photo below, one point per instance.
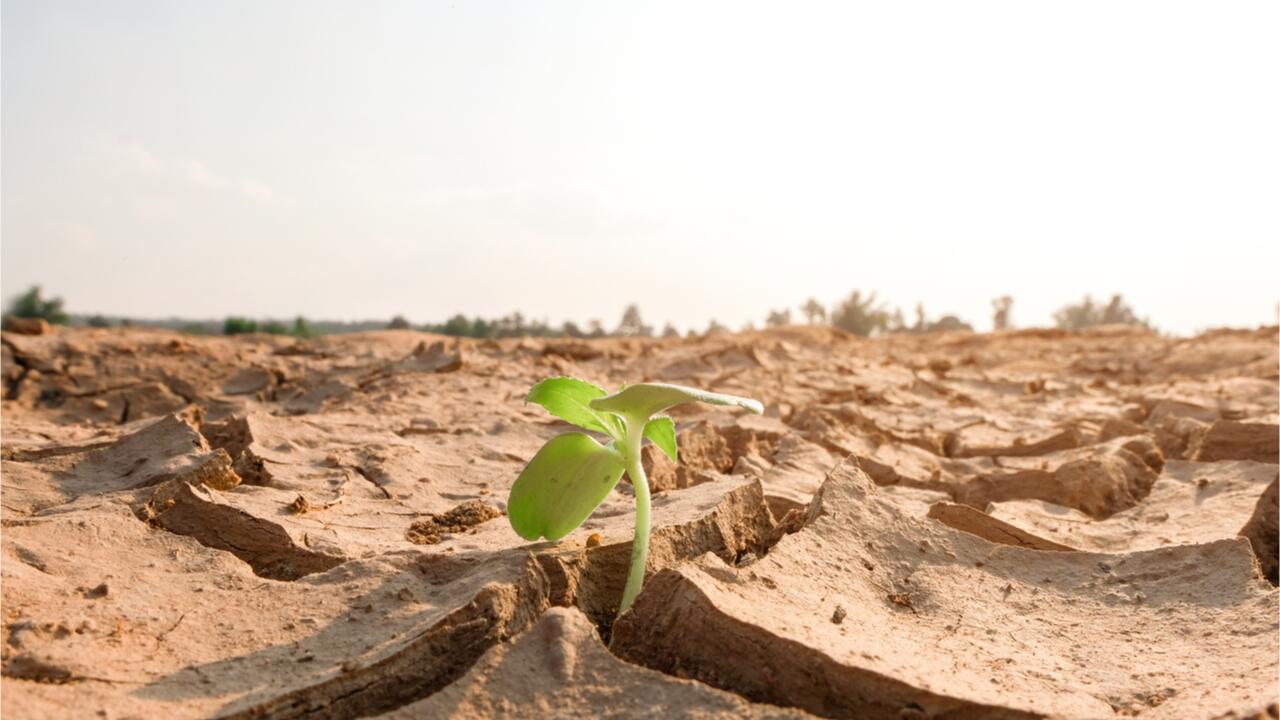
(239, 326)
(632, 325)
(922, 322)
(595, 328)
(813, 311)
(748, 326)
(302, 328)
(860, 315)
(541, 328)
(1118, 312)
(274, 327)
(715, 328)
(98, 321)
(1082, 315)
(897, 323)
(778, 318)
(670, 331)
(398, 323)
(1087, 313)
(195, 328)
(512, 325)
(456, 326)
(31, 305)
(1002, 307)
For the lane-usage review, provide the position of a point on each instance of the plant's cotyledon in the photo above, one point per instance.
(573, 473)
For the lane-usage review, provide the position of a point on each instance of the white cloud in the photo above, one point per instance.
(257, 190)
(547, 211)
(199, 175)
(131, 156)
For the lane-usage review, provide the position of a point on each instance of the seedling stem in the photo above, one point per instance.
(640, 545)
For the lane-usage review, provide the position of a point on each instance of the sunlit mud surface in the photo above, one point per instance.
(1023, 524)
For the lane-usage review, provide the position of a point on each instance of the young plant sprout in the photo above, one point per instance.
(573, 473)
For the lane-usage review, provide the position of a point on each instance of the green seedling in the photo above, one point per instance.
(573, 473)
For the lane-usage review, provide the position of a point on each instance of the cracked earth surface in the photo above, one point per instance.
(1021, 524)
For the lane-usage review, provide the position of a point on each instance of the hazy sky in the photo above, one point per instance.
(360, 159)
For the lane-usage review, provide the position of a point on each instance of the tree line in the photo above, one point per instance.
(864, 315)
(859, 313)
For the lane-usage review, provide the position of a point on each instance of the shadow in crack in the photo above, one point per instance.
(417, 629)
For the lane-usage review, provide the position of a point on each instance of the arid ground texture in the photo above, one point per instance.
(1013, 525)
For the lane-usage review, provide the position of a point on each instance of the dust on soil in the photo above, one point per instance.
(1020, 524)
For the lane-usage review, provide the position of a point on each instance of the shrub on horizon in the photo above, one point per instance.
(30, 304)
(860, 315)
(235, 325)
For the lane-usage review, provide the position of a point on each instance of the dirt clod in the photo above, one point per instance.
(459, 519)
(99, 591)
(902, 600)
(300, 505)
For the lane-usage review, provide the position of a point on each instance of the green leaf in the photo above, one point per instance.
(568, 478)
(568, 399)
(646, 399)
(661, 431)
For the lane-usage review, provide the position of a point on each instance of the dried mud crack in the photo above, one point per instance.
(938, 597)
(1026, 524)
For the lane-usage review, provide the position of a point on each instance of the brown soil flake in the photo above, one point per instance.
(459, 519)
(301, 505)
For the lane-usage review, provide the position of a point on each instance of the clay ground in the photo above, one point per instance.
(1025, 524)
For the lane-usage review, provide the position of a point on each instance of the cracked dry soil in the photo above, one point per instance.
(1023, 524)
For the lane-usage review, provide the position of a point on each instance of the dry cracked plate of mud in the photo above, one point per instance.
(1024, 524)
